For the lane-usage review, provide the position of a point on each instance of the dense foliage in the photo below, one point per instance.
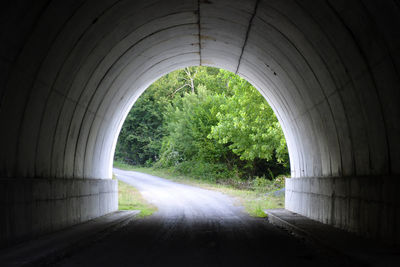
(204, 122)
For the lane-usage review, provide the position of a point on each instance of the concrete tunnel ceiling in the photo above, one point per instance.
(329, 69)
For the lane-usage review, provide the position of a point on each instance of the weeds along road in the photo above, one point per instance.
(196, 227)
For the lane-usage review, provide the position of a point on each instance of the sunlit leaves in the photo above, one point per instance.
(248, 124)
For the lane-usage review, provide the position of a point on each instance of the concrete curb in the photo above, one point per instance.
(360, 251)
(274, 219)
(51, 247)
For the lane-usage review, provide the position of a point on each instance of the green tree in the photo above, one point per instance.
(141, 135)
(188, 121)
(204, 121)
(247, 123)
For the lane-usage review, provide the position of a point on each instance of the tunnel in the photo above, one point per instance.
(71, 71)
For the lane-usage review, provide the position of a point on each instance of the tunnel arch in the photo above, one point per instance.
(329, 69)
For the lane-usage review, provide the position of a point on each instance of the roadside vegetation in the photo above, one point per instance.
(208, 127)
(129, 198)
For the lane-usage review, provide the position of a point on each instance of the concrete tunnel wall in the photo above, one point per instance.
(71, 70)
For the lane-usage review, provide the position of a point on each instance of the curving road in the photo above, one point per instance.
(182, 201)
(196, 227)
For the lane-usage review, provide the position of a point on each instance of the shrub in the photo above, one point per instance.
(204, 170)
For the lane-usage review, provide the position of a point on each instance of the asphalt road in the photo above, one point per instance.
(196, 227)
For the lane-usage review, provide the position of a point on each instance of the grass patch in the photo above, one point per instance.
(254, 201)
(129, 198)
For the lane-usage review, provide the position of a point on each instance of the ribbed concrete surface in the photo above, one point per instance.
(368, 206)
(33, 207)
(71, 70)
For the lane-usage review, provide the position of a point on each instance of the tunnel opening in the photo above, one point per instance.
(210, 125)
